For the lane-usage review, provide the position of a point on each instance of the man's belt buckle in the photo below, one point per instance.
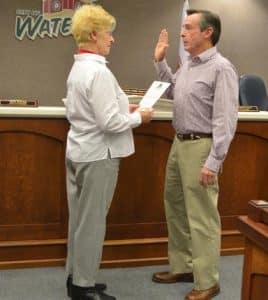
(190, 136)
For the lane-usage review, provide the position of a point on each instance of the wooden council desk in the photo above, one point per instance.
(33, 210)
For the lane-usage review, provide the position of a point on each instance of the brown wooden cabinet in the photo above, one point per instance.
(255, 271)
(33, 210)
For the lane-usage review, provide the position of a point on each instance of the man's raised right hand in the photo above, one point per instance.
(161, 46)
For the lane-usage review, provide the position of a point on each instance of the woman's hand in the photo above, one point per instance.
(133, 107)
(146, 114)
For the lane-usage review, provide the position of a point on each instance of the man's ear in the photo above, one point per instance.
(208, 32)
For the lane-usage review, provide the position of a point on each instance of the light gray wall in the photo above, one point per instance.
(38, 69)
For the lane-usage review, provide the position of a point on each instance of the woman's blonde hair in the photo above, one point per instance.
(88, 19)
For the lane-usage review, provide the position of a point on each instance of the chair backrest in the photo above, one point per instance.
(252, 91)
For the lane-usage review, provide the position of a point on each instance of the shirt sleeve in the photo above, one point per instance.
(165, 74)
(224, 118)
(109, 116)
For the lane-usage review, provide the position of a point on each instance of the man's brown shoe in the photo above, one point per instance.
(203, 294)
(167, 277)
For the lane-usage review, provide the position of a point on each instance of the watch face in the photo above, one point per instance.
(56, 5)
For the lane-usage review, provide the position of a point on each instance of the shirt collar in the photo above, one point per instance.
(82, 50)
(90, 56)
(204, 56)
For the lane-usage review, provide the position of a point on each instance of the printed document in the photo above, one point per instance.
(153, 94)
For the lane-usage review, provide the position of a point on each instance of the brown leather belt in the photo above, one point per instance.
(193, 136)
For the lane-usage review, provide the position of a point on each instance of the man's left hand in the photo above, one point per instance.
(207, 177)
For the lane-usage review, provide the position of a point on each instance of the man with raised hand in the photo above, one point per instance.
(205, 94)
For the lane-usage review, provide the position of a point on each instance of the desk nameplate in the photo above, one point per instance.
(248, 108)
(18, 103)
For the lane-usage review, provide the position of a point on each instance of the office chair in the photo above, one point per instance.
(252, 91)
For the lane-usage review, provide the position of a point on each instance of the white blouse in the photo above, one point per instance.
(98, 112)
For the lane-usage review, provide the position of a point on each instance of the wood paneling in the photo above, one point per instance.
(137, 210)
(244, 172)
(33, 210)
(32, 179)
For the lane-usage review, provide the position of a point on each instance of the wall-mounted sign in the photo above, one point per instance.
(54, 20)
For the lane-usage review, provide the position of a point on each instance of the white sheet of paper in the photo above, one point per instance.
(153, 94)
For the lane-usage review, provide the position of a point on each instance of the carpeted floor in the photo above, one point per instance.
(124, 283)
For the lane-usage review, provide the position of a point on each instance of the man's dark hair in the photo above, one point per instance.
(208, 19)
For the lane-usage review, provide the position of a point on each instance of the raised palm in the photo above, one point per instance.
(161, 46)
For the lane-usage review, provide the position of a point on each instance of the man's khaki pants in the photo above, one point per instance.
(90, 189)
(192, 216)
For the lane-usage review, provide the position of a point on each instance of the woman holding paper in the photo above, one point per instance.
(101, 122)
